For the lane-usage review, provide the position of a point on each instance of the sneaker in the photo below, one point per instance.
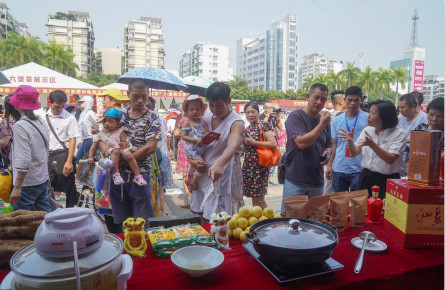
(274, 182)
(117, 178)
(139, 180)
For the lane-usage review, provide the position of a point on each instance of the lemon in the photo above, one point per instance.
(252, 220)
(262, 218)
(247, 229)
(235, 216)
(242, 222)
(256, 211)
(277, 215)
(230, 233)
(232, 224)
(236, 233)
(244, 211)
(243, 237)
(268, 212)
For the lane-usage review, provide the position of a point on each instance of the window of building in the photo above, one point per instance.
(293, 28)
(291, 83)
(292, 35)
(291, 43)
(291, 75)
(291, 67)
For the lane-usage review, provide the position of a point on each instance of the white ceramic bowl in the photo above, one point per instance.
(197, 260)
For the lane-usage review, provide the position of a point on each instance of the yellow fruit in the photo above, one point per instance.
(256, 211)
(262, 218)
(268, 212)
(232, 224)
(247, 229)
(230, 233)
(244, 211)
(277, 215)
(243, 237)
(242, 222)
(236, 233)
(252, 220)
(235, 216)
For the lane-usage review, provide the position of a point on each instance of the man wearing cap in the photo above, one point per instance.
(142, 127)
(62, 143)
(29, 153)
(112, 98)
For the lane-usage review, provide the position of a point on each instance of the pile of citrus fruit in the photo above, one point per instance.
(240, 223)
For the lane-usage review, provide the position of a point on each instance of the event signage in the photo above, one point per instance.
(418, 75)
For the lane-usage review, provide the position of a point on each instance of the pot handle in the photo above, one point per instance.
(126, 272)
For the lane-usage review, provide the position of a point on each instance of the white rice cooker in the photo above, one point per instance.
(70, 251)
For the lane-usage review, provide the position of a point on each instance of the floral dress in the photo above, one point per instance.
(255, 176)
(191, 149)
(165, 176)
(5, 131)
(182, 163)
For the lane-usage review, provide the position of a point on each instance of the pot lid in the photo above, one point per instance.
(27, 262)
(294, 234)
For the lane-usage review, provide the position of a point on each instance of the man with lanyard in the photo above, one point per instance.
(142, 128)
(62, 142)
(270, 116)
(343, 169)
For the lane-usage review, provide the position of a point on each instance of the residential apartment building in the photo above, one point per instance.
(108, 61)
(75, 30)
(314, 64)
(9, 24)
(269, 62)
(144, 43)
(433, 87)
(206, 60)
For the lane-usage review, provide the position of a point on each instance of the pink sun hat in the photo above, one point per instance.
(25, 98)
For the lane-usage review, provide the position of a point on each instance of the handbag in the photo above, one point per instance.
(267, 157)
(285, 160)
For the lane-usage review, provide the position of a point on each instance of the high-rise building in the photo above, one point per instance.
(144, 43)
(269, 62)
(9, 24)
(315, 64)
(206, 60)
(433, 87)
(74, 30)
(108, 60)
(413, 59)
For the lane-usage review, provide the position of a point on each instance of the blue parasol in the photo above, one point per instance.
(156, 78)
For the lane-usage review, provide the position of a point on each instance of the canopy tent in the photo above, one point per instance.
(45, 80)
(119, 86)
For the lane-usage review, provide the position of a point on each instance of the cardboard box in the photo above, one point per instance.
(414, 214)
(424, 157)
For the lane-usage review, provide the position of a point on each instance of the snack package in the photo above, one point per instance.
(160, 239)
(358, 200)
(317, 208)
(182, 235)
(220, 229)
(202, 237)
(339, 207)
(296, 206)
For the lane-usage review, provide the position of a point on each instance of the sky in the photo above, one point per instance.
(340, 29)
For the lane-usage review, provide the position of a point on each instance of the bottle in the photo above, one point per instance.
(375, 205)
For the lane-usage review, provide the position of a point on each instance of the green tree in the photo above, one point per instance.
(400, 75)
(383, 81)
(17, 50)
(334, 81)
(350, 74)
(60, 59)
(308, 81)
(99, 80)
(367, 80)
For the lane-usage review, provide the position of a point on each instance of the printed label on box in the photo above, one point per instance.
(396, 211)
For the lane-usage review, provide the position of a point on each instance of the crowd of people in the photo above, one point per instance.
(345, 149)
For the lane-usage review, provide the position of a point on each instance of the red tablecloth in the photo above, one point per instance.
(397, 268)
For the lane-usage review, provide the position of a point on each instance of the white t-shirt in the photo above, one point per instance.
(408, 126)
(391, 140)
(66, 127)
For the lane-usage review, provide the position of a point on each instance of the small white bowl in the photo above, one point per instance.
(197, 260)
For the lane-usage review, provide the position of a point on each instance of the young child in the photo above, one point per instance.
(117, 143)
(192, 133)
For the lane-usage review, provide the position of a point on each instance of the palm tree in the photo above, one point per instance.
(17, 50)
(400, 75)
(350, 74)
(308, 81)
(334, 81)
(322, 78)
(367, 80)
(383, 81)
(60, 59)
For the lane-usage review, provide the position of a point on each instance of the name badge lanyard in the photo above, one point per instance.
(348, 154)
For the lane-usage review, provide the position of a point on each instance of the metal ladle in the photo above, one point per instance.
(365, 236)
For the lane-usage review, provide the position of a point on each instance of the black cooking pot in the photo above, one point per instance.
(290, 242)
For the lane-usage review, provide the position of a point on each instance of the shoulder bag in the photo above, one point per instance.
(267, 157)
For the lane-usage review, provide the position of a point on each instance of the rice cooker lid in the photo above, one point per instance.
(298, 234)
(28, 262)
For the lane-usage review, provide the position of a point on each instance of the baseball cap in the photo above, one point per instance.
(116, 94)
(114, 113)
